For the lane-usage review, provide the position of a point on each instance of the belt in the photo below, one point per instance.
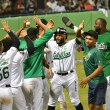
(5, 86)
(64, 73)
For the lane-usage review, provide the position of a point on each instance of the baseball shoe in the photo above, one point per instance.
(67, 22)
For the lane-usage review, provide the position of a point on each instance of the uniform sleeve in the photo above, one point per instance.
(75, 43)
(44, 39)
(11, 53)
(98, 58)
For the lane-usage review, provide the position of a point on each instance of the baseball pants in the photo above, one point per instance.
(45, 94)
(62, 96)
(19, 102)
(32, 90)
(70, 82)
(107, 105)
(6, 99)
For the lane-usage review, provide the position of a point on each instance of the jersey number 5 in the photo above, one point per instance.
(5, 73)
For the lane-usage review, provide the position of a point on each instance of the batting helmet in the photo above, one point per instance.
(60, 30)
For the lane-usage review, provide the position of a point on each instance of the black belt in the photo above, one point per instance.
(5, 86)
(8, 86)
(65, 73)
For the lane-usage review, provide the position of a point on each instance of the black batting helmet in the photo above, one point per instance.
(60, 30)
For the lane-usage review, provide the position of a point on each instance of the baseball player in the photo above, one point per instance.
(64, 69)
(103, 44)
(17, 75)
(6, 59)
(93, 66)
(33, 70)
(48, 56)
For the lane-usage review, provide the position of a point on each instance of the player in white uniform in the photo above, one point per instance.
(48, 57)
(17, 75)
(64, 69)
(6, 59)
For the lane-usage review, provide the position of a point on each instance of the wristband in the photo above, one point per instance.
(40, 36)
(9, 31)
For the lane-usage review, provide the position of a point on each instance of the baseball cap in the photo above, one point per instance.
(92, 33)
(43, 21)
(60, 30)
(32, 32)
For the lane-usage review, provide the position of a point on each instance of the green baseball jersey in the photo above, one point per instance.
(33, 66)
(103, 44)
(91, 59)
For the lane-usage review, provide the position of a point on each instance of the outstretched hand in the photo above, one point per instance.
(6, 26)
(50, 24)
(25, 21)
(37, 20)
(81, 26)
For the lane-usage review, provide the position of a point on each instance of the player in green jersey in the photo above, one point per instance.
(103, 44)
(93, 66)
(33, 73)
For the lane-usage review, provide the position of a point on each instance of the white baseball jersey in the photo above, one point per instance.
(17, 74)
(63, 56)
(6, 59)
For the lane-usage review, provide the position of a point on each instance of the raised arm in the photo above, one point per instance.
(15, 40)
(78, 32)
(23, 26)
(30, 45)
(38, 21)
(49, 25)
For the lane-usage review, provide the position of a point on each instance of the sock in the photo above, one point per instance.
(79, 107)
(51, 107)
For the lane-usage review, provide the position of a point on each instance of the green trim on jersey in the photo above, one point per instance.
(33, 66)
(91, 59)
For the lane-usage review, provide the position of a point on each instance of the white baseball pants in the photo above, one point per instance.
(6, 99)
(70, 82)
(32, 90)
(107, 105)
(19, 102)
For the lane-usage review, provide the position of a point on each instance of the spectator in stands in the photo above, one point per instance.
(51, 5)
(92, 2)
(1, 9)
(68, 5)
(79, 5)
(87, 5)
(19, 7)
(8, 11)
(73, 4)
(60, 7)
(31, 7)
(41, 6)
(6, 3)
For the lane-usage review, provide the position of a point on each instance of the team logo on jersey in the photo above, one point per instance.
(65, 48)
(86, 57)
(4, 62)
(101, 46)
(63, 55)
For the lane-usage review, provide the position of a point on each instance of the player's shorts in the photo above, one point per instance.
(96, 93)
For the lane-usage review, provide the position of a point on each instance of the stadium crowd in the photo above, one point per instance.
(10, 7)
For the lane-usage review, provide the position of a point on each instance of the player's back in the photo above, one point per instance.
(5, 65)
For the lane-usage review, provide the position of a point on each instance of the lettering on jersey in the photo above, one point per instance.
(86, 57)
(4, 62)
(63, 55)
(101, 46)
